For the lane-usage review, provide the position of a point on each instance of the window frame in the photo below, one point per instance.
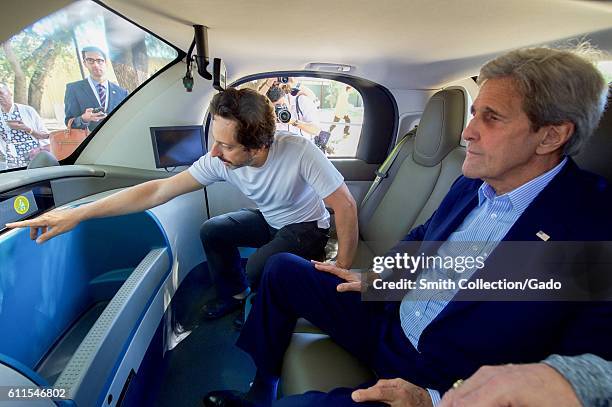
(71, 159)
(380, 112)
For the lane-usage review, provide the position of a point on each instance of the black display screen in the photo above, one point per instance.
(177, 145)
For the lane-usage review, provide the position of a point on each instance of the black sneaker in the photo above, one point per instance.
(220, 307)
(239, 320)
(226, 398)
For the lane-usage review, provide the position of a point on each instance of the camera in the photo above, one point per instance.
(321, 139)
(282, 113)
(282, 79)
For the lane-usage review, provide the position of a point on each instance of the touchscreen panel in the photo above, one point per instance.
(25, 202)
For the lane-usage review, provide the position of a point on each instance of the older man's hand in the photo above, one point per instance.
(536, 385)
(352, 278)
(394, 392)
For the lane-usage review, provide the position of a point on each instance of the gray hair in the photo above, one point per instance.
(557, 86)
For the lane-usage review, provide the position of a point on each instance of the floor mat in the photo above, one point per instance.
(207, 359)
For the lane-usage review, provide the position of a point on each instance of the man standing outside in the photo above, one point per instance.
(304, 113)
(342, 110)
(288, 178)
(89, 100)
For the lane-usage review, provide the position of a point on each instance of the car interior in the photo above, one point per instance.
(110, 310)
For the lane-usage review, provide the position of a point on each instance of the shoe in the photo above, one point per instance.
(226, 398)
(239, 321)
(220, 307)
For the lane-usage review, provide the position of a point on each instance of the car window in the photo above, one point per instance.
(328, 112)
(73, 67)
(605, 67)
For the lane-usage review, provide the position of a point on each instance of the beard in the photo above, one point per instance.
(235, 166)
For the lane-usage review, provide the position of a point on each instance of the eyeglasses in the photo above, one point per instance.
(95, 60)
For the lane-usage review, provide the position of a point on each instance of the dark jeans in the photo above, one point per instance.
(292, 288)
(222, 235)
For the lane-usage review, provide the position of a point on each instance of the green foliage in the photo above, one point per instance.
(6, 72)
(159, 49)
(28, 48)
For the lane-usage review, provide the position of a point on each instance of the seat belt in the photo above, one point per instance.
(383, 170)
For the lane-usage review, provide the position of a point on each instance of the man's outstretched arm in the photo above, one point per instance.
(135, 199)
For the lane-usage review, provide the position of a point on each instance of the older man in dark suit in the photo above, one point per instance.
(535, 109)
(89, 100)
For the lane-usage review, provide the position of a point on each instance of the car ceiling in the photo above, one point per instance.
(420, 44)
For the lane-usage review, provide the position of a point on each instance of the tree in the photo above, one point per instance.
(20, 94)
(30, 58)
(128, 51)
(43, 59)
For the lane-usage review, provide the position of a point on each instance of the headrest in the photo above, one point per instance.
(440, 127)
(596, 154)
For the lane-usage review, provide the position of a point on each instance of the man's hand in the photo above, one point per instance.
(90, 116)
(352, 278)
(18, 125)
(302, 92)
(50, 224)
(536, 385)
(394, 392)
(266, 85)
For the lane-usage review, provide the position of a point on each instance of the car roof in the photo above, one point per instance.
(400, 44)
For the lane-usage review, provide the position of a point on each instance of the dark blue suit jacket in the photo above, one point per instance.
(574, 206)
(79, 96)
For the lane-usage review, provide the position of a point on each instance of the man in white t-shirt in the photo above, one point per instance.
(288, 178)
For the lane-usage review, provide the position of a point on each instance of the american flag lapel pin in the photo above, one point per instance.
(542, 236)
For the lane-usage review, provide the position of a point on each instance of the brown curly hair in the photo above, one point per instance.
(252, 112)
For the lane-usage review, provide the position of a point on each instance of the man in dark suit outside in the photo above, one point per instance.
(535, 109)
(89, 100)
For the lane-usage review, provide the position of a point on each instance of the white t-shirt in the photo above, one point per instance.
(289, 188)
(309, 114)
